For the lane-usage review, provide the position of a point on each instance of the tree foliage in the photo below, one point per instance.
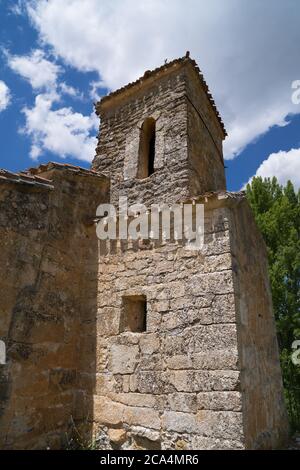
(277, 212)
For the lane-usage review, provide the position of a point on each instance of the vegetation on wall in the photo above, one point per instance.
(277, 213)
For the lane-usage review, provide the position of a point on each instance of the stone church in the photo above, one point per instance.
(137, 347)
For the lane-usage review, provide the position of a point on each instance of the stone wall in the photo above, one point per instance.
(117, 153)
(48, 263)
(205, 152)
(265, 418)
(184, 382)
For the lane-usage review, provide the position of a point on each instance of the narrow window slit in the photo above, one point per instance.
(146, 149)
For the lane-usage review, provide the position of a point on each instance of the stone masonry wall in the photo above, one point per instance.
(177, 384)
(265, 418)
(117, 152)
(48, 263)
(181, 384)
(205, 138)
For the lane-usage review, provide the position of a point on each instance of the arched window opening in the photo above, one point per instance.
(147, 149)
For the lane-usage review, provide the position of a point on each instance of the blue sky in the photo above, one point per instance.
(59, 56)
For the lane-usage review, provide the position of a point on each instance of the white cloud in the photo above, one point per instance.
(60, 131)
(4, 96)
(69, 90)
(41, 73)
(248, 51)
(94, 87)
(285, 165)
(17, 8)
(36, 69)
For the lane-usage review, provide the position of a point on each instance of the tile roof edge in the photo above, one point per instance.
(44, 167)
(152, 73)
(20, 178)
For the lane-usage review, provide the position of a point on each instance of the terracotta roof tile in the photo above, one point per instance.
(23, 178)
(61, 166)
(157, 71)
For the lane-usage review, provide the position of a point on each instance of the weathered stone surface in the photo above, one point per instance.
(213, 443)
(108, 412)
(47, 316)
(219, 401)
(117, 436)
(189, 357)
(150, 344)
(199, 339)
(186, 402)
(155, 382)
(215, 360)
(135, 399)
(196, 381)
(145, 432)
(215, 283)
(139, 416)
(123, 359)
(222, 425)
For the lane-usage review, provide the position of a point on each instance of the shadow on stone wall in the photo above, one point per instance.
(48, 308)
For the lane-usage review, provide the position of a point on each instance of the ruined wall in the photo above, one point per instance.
(265, 418)
(186, 382)
(48, 263)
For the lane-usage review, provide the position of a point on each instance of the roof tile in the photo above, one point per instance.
(158, 70)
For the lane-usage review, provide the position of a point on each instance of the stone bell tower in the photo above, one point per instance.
(186, 353)
(161, 137)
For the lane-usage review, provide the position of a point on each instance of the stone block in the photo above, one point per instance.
(221, 425)
(215, 360)
(186, 402)
(200, 339)
(123, 359)
(155, 382)
(149, 344)
(135, 399)
(219, 401)
(138, 416)
(216, 283)
(196, 381)
(107, 412)
(117, 436)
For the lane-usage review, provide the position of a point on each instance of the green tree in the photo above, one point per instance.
(277, 212)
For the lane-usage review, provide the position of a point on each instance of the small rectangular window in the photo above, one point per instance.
(134, 314)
